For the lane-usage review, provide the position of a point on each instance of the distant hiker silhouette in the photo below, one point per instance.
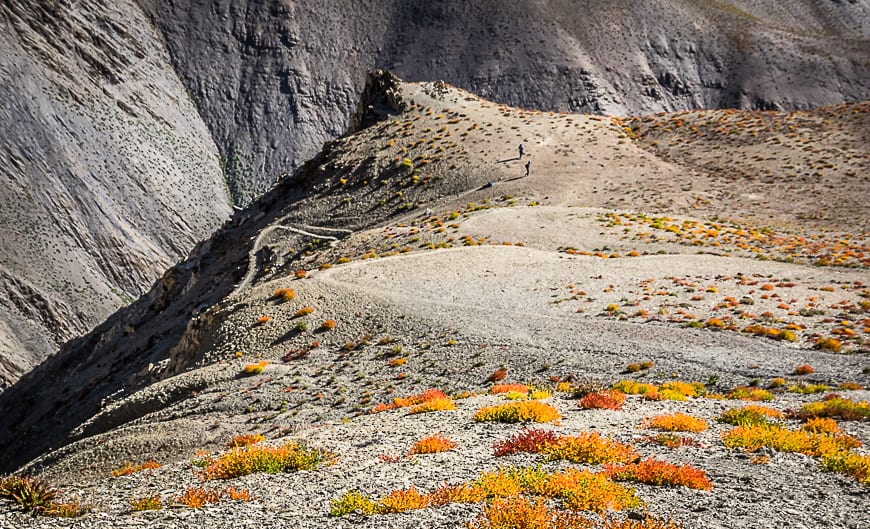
(528, 164)
(521, 151)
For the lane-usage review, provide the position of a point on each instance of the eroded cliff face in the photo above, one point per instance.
(274, 79)
(107, 174)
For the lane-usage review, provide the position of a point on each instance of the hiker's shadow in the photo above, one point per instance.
(506, 160)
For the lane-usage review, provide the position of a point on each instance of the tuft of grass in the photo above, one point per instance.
(433, 445)
(37, 496)
(513, 412)
(287, 457)
(675, 422)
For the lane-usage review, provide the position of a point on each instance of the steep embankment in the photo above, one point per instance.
(274, 80)
(107, 174)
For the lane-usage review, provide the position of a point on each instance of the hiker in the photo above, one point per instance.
(521, 151)
(528, 164)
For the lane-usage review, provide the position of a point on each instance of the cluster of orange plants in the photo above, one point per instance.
(433, 445)
(804, 369)
(241, 440)
(660, 473)
(196, 497)
(521, 512)
(675, 422)
(429, 400)
(585, 447)
(130, 468)
(579, 490)
(609, 400)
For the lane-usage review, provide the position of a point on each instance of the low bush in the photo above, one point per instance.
(433, 444)
(513, 412)
(246, 460)
(609, 400)
(750, 415)
(675, 422)
(661, 473)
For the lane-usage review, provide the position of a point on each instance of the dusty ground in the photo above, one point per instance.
(604, 256)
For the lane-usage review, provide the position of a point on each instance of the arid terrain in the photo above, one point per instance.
(134, 126)
(697, 261)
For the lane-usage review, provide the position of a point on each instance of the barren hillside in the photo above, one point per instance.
(130, 123)
(417, 254)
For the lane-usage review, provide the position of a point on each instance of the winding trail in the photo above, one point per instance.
(253, 266)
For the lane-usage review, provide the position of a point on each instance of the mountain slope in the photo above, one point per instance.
(274, 80)
(107, 174)
(420, 256)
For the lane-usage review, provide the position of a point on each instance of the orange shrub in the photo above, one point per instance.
(262, 320)
(443, 404)
(130, 468)
(300, 274)
(804, 369)
(821, 425)
(829, 344)
(195, 497)
(245, 440)
(256, 369)
(328, 325)
(286, 294)
(609, 400)
(507, 388)
(676, 422)
(433, 444)
(271, 460)
(413, 400)
(654, 472)
(589, 448)
(498, 375)
(304, 311)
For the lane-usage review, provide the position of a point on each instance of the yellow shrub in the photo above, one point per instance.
(511, 412)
